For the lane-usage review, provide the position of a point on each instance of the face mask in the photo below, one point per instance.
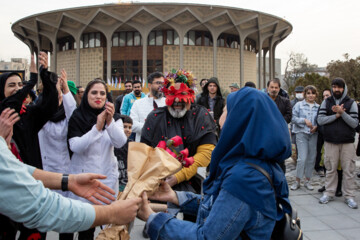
(299, 96)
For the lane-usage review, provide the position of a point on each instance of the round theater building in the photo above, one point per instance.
(130, 40)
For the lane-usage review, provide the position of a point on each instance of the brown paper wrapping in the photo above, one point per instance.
(146, 167)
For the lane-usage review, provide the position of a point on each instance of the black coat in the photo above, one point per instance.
(36, 115)
(284, 107)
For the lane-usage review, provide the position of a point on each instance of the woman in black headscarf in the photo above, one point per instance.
(93, 133)
(32, 117)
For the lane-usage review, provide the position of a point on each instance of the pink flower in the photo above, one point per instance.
(162, 144)
(188, 161)
(175, 141)
(170, 152)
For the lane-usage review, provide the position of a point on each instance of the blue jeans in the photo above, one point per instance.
(224, 218)
(306, 144)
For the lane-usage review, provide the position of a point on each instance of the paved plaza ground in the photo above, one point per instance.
(332, 221)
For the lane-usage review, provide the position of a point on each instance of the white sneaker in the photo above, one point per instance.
(351, 203)
(325, 199)
(295, 186)
(308, 186)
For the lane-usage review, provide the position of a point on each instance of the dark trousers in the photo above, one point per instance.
(66, 236)
(8, 228)
(31, 234)
(87, 235)
(320, 143)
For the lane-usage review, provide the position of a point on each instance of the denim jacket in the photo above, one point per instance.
(221, 217)
(302, 111)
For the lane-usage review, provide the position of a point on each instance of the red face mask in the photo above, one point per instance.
(184, 94)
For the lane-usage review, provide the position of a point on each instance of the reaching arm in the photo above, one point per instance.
(84, 185)
(227, 218)
(201, 159)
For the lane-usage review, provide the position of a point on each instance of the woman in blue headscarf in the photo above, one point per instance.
(238, 198)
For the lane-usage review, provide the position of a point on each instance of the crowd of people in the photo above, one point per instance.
(80, 139)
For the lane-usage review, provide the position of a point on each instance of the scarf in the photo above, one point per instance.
(255, 132)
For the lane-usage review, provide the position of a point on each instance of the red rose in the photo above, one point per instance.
(188, 161)
(175, 141)
(161, 144)
(184, 153)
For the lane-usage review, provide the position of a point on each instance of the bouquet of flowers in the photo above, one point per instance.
(182, 156)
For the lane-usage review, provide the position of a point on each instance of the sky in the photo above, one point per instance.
(323, 30)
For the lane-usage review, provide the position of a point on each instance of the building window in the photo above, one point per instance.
(207, 39)
(97, 40)
(65, 43)
(115, 40)
(137, 39)
(249, 44)
(86, 40)
(176, 38)
(228, 41)
(169, 37)
(159, 38)
(122, 39)
(155, 38)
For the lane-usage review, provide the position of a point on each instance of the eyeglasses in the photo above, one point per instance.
(158, 83)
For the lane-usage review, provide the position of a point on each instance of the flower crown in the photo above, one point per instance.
(180, 75)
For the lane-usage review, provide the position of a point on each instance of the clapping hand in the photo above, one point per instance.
(63, 82)
(43, 59)
(87, 186)
(8, 118)
(101, 120)
(110, 110)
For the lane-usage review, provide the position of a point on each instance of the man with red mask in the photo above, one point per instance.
(191, 122)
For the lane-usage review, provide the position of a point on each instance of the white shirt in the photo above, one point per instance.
(93, 152)
(139, 112)
(53, 140)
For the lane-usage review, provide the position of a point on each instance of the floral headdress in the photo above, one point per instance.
(185, 93)
(180, 75)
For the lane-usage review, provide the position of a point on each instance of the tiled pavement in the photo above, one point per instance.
(332, 221)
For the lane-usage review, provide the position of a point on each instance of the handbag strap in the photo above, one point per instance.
(265, 173)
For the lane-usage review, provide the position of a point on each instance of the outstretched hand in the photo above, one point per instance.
(165, 194)
(87, 186)
(145, 210)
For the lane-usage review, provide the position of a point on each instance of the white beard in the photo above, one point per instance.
(177, 113)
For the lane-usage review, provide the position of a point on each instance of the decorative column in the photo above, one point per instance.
(77, 66)
(264, 67)
(270, 62)
(260, 66)
(242, 76)
(54, 57)
(108, 56)
(144, 57)
(181, 48)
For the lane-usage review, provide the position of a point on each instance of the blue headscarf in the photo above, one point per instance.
(256, 132)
